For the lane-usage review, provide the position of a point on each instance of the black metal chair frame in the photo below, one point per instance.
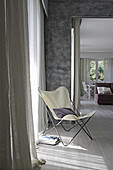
(80, 122)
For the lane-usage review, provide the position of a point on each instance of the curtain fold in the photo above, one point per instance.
(17, 37)
(42, 116)
(16, 120)
(5, 146)
(85, 71)
(108, 70)
(37, 63)
(45, 6)
(17, 66)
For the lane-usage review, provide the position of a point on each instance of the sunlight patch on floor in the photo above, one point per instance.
(72, 146)
(77, 161)
(74, 156)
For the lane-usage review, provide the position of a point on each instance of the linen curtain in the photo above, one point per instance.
(16, 123)
(108, 70)
(37, 63)
(85, 71)
(17, 65)
(5, 149)
(45, 6)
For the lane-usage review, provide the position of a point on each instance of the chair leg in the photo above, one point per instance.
(87, 129)
(49, 130)
(55, 127)
(82, 128)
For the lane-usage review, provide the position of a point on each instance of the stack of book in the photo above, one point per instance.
(50, 140)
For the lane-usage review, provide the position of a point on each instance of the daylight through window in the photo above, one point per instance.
(97, 70)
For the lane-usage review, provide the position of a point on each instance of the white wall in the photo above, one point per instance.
(96, 55)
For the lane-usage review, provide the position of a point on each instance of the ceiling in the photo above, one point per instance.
(96, 35)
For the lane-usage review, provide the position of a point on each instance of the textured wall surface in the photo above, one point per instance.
(58, 35)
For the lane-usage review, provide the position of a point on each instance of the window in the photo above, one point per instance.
(97, 70)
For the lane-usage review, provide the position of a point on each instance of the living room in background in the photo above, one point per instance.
(96, 47)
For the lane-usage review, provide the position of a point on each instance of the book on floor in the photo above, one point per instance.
(50, 140)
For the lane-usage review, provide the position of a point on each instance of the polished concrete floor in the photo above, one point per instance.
(83, 153)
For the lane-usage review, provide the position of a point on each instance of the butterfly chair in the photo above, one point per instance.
(60, 108)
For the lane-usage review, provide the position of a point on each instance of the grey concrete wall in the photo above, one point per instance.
(58, 35)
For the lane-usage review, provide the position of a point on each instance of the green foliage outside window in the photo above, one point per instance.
(100, 70)
(96, 70)
(93, 70)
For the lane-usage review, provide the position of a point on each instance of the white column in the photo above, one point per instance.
(75, 71)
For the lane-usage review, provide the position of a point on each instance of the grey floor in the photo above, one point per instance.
(82, 153)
